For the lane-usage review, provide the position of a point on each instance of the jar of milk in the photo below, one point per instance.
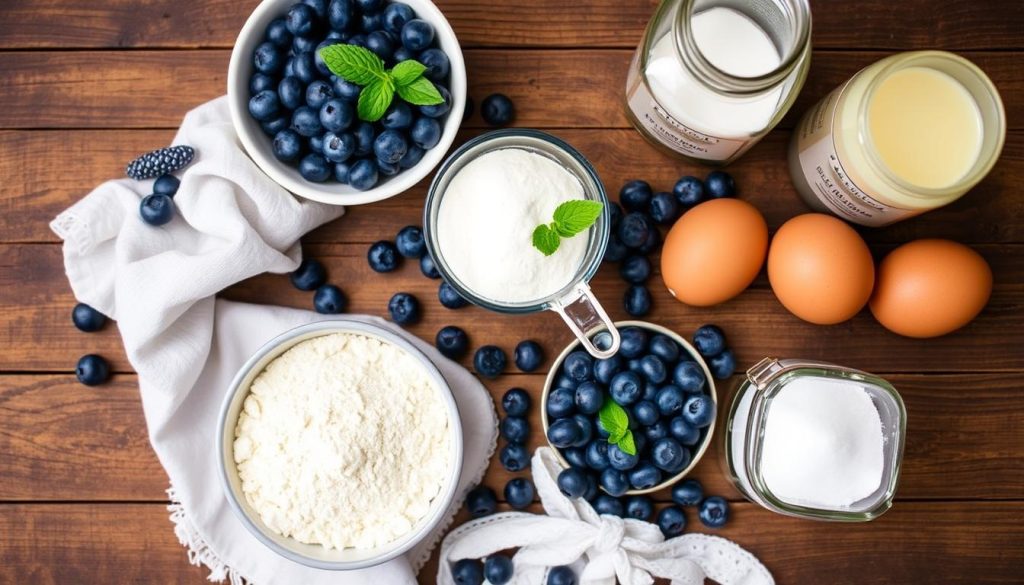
(815, 440)
(712, 77)
(905, 135)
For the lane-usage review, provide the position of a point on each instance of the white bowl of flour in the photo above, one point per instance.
(340, 445)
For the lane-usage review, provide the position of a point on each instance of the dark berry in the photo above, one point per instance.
(395, 17)
(363, 175)
(561, 575)
(689, 191)
(166, 185)
(314, 167)
(87, 318)
(578, 365)
(514, 457)
(564, 432)
(634, 342)
(621, 460)
(668, 455)
(417, 35)
(272, 127)
(338, 148)
(341, 172)
(497, 110)
(516, 402)
(481, 501)
(468, 572)
(572, 482)
(665, 348)
(370, 6)
(304, 66)
(156, 209)
(318, 6)
(277, 33)
(160, 162)
(576, 457)
(489, 361)
(300, 20)
(412, 157)
(644, 476)
(329, 300)
(605, 369)
(337, 115)
(310, 275)
(683, 431)
(625, 388)
(669, 400)
(709, 340)
(664, 208)
(519, 493)
(689, 377)
(267, 58)
(688, 492)
(346, 90)
(92, 370)
(515, 429)
(714, 512)
(438, 66)
(529, 355)
(259, 82)
(635, 195)
(404, 308)
(637, 301)
(383, 256)
(616, 250)
(498, 569)
(428, 267)
(398, 116)
(699, 411)
(438, 110)
(287, 145)
(645, 412)
(449, 297)
(653, 369)
(264, 105)
(653, 239)
(639, 508)
(390, 146)
(635, 269)
(410, 242)
(306, 121)
(722, 365)
(589, 398)
(607, 505)
(672, 521)
(634, 230)
(380, 43)
(719, 184)
(425, 133)
(452, 342)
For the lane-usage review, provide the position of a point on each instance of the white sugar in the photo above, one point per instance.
(823, 444)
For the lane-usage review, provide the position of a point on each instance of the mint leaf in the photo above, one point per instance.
(420, 92)
(356, 64)
(572, 217)
(407, 72)
(626, 443)
(544, 238)
(614, 420)
(375, 99)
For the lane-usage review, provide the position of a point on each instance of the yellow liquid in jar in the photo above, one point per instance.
(925, 127)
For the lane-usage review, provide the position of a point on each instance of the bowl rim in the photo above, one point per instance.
(255, 364)
(712, 390)
(249, 133)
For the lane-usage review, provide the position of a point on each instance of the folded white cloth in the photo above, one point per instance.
(601, 548)
(158, 283)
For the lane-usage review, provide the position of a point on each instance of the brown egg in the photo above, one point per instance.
(928, 288)
(820, 268)
(714, 251)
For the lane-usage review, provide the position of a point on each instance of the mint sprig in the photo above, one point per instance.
(615, 420)
(362, 66)
(570, 219)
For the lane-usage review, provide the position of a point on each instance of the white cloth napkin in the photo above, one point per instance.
(601, 548)
(158, 283)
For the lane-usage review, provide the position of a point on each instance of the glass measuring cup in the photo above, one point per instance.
(575, 302)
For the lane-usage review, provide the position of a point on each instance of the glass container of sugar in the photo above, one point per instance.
(712, 77)
(815, 440)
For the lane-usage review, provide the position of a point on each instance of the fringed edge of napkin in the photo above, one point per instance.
(199, 552)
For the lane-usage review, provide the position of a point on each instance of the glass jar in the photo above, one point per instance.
(743, 439)
(712, 77)
(907, 134)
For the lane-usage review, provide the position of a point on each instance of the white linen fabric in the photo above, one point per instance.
(601, 548)
(159, 284)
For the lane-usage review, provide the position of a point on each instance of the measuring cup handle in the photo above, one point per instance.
(584, 315)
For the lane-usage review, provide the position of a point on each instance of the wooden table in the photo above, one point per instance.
(88, 85)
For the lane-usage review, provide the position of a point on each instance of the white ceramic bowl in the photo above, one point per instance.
(315, 555)
(258, 145)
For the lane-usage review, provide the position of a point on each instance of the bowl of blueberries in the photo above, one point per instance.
(633, 423)
(354, 126)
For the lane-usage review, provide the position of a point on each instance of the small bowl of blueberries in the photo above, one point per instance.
(631, 424)
(350, 126)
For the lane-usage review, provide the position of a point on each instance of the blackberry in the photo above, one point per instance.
(160, 162)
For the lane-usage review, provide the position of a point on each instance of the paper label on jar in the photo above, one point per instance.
(670, 131)
(827, 178)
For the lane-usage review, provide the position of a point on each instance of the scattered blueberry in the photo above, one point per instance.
(653, 239)
(156, 209)
(310, 275)
(635, 195)
(449, 297)
(635, 269)
(329, 300)
(616, 250)
(722, 365)
(404, 308)
(452, 342)
(519, 493)
(87, 318)
(561, 575)
(92, 370)
(637, 301)
(515, 429)
(607, 505)
(709, 340)
(516, 402)
(672, 521)
(498, 569)
(166, 185)
(664, 208)
(383, 256)
(428, 267)
(639, 508)
(719, 184)
(529, 355)
(714, 512)
(514, 457)
(689, 191)
(497, 110)
(688, 492)
(489, 361)
(481, 501)
(634, 230)
(467, 571)
(699, 411)
(572, 483)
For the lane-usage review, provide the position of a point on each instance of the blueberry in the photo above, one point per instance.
(634, 229)
(287, 145)
(314, 167)
(329, 300)
(515, 429)
(277, 32)
(683, 431)
(304, 66)
(670, 400)
(341, 171)
(316, 144)
(589, 398)
(498, 569)
(656, 431)
(338, 148)
(637, 300)
(672, 521)
(575, 456)
(489, 361)
(625, 388)
(652, 368)
(267, 58)
(156, 209)
(635, 195)
(341, 14)
(664, 208)
(92, 370)
(572, 483)
(306, 121)
(597, 454)
(346, 90)
(669, 455)
(304, 45)
(404, 308)
(719, 184)
(317, 94)
(514, 457)
(468, 572)
(689, 191)
(390, 146)
(425, 133)
(310, 275)
(561, 402)
(644, 476)
(699, 411)
(318, 60)
(387, 169)
(616, 250)
(398, 116)
(417, 35)
(605, 369)
(578, 365)
(714, 512)
(289, 92)
(519, 493)
(452, 342)
(412, 157)
(300, 20)
(364, 138)
(564, 432)
(383, 256)
(652, 242)
(639, 508)
(363, 175)
(586, 425)
(402, 54)
(272, 127)
(428, 267)
(607, 505)
(360, 39)
(380, 43)
(370, 6)
(264, 105)
(259, 82)
(529, 355)
(497, 110)
(709, 340)
(337, 115)
(634, 342)
(395, 17)
(621, 460)
(650, 392)
(438, 110)
(645, 412)
(438, 66)
(318, 6)
(723, 365)
(410, 242)
(688, 492)
(516, 402)
(689, 377)
(561, 575)
(87, 318)
(635, 269)
(481, 501)
(633, 365)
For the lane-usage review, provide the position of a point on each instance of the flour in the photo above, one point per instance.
(486, 222)
(343, 441)
(823, 444)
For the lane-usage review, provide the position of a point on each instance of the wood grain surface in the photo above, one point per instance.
(89, 85)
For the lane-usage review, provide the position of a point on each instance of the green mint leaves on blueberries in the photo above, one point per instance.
(615, 420)
(570, 218)
(363, 67)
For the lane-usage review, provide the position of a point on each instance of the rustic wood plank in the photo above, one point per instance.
(914, 543)
(33, 193)
(529, 23)
(551, 89)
